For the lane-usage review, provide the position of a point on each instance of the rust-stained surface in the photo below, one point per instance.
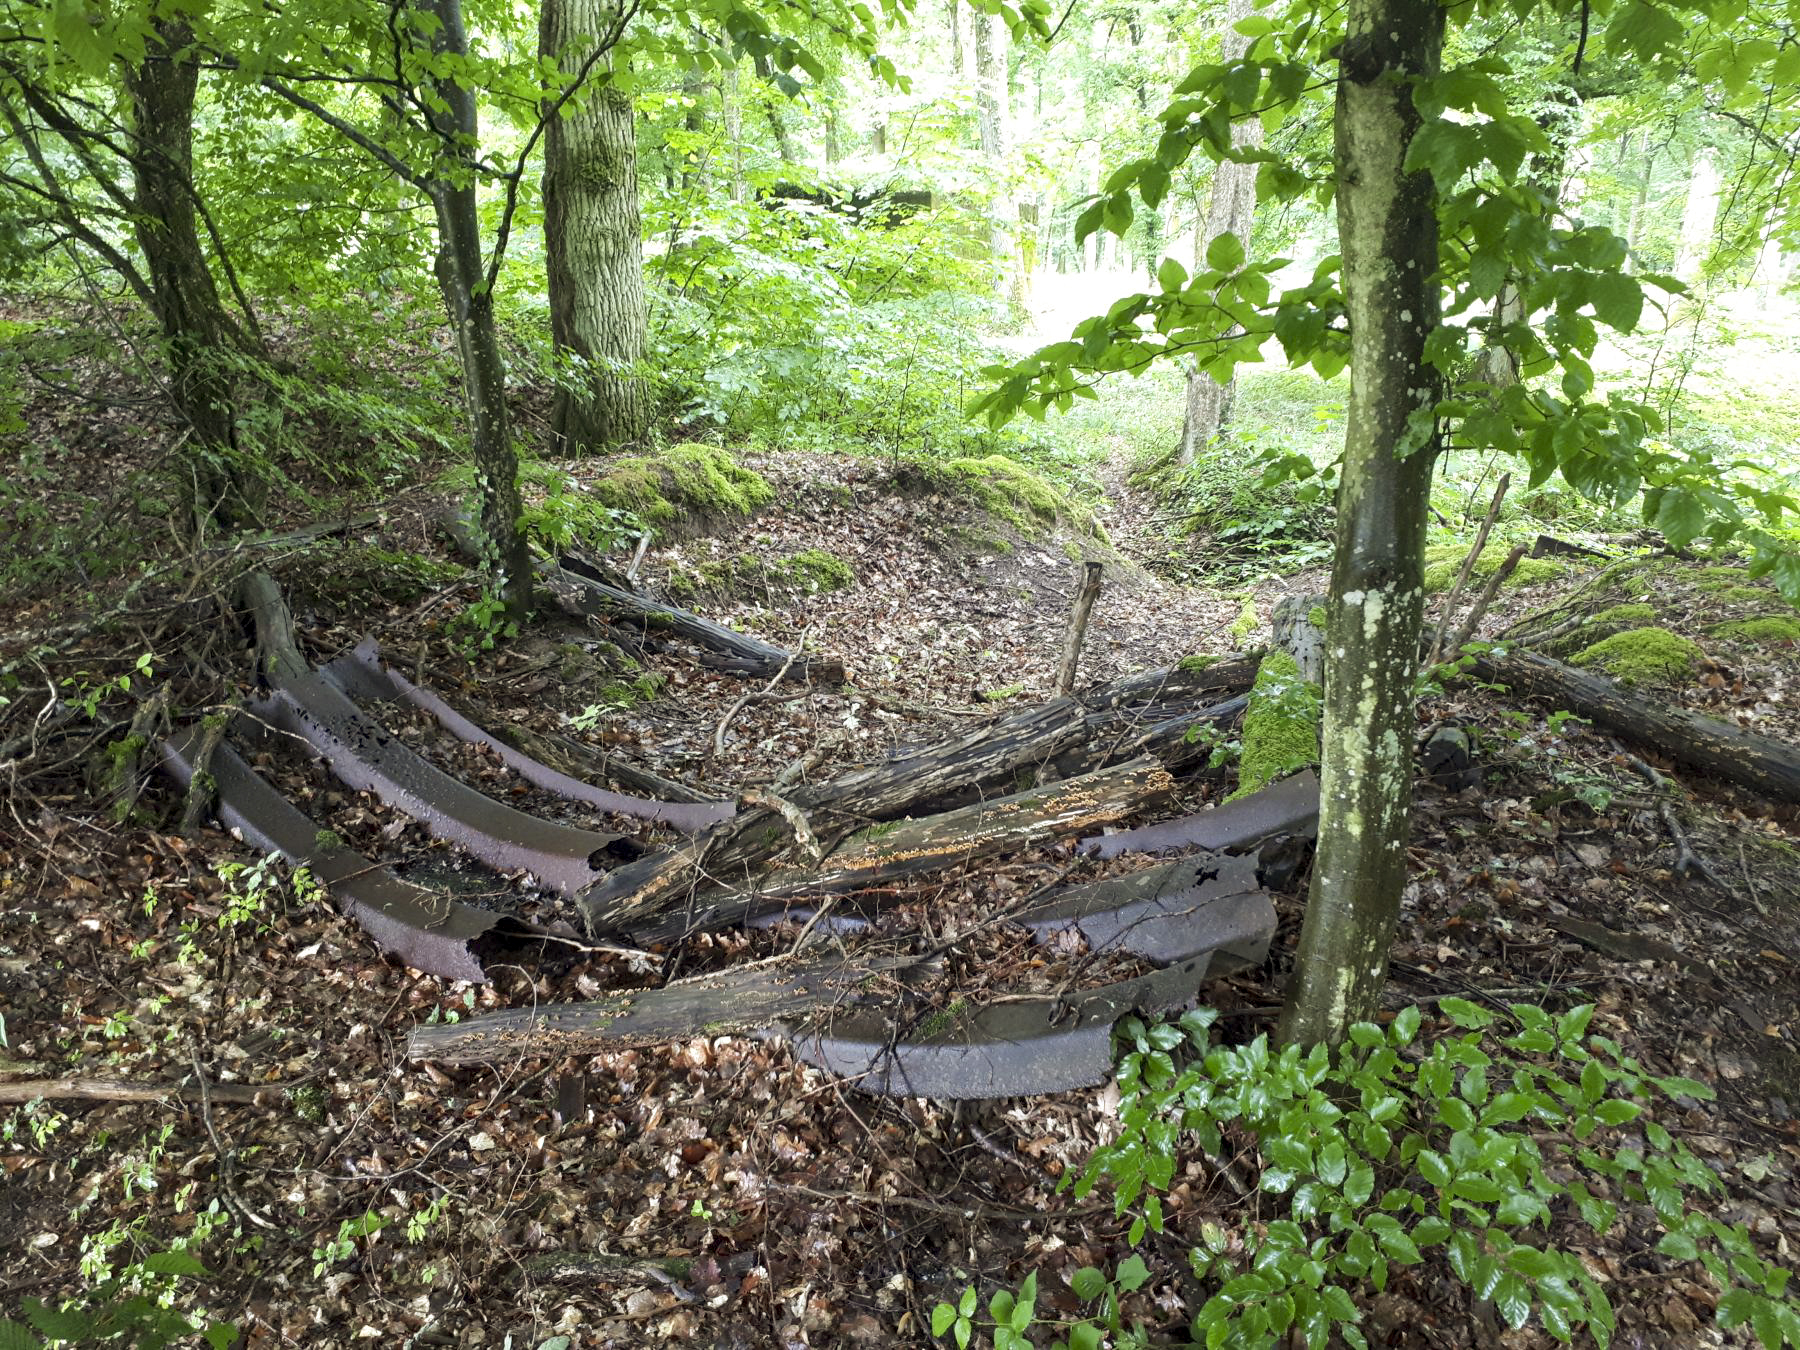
(1288, 807)
(1169, 913)
(428, 931)
(1016, 1048)
(366, 756)
(362, 675)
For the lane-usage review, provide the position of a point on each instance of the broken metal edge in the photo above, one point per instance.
(362, 674)
(1288, 807)
(1020, 1048)
(428, 931)
(1212, 903)
(368, 757)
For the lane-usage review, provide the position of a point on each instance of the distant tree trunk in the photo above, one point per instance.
(593, 240)
(1387, 224)
(734, 126)
(992, 114)
(954, 13)
(1634, 224)
(784, 143)
(1232, 211)
(1698, 216)
(196, 330)
(469, 305)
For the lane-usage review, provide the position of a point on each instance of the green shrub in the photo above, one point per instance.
(1376, 1153)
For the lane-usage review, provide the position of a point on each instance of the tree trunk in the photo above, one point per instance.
(954, 13)
(992, 115)
(195, 327)
(470, 308)
(593, 241)
(1232, 211)
(1698, 215)
(1387, 224)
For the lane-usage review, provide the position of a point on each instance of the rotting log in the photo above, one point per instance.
(587, 597)
(670, 902)
(1721, 749)
(362, 673)
(1168, 732)
(123, 1090)
(1185, 680)
(737, 1002)
(427, 931)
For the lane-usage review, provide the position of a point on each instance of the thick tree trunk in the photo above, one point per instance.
(593, 239)
(1232, 210)
(196, 330)
(1387, 223)
(470, 308)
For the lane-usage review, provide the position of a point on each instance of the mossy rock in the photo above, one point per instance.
(1643, 656)
(1281, 725)
(1444, 561)
(681, 481)
(1006, 489)
(1774, 629)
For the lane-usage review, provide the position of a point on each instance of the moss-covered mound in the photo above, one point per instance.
(1281, 725)
(682, 480)
(1624, 616)
(811, 570)
(1643, 656)
(1775, 629)
(1444, 561)
(1005, 488)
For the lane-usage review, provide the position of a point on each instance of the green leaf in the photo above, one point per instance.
(1084, 1336)
(15, 1337)
(941, 1318)
(1680, 1246)
(1405, 1025)
(1088, 1283)
(1225, 252)
(1133, 1273)
(1171, 276)
(1618, 300)
(1736, 1307)
(174, 1263)
(1466, 1014)
(1513, 1301)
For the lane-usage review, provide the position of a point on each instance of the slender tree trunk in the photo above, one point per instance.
(992, 115)
(593, 238)
(1698, 216)
(954, 14)
(1387, 225)
(469, 305)
(1232, 210)
(734, 126)
(196, 330)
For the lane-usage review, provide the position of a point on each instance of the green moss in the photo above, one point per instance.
(126, 749)
(1444, 561)
(1006, 488)
(1741, 595)
(1641, 655)
(1623, 616)
(1281, 725)
(1246, 621)
(681, 480)
(328, 841)
(815, 569)
(1316, 616)
(630, 693)
(1779, 629)
(1196, 663)
(1001, 695)
(942, 1020)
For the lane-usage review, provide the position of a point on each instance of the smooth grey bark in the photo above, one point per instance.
(593, 236)
(1231, 210)
(993, 113)
(1388, 231)
(469, 305)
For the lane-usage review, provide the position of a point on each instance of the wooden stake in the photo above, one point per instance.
(1078, 622)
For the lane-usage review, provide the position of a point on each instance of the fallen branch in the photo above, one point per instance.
(1078, 624)
(122, 1090)
(1468, 566)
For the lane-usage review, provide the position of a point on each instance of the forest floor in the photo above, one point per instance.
(717, 1191)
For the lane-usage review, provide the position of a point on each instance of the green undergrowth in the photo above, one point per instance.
(358, 574)
(1643, 656)
(1281, 725)
(1472, 1143)
(1009, 491)
(681, 482)
(1624, 616)
(1443, 562)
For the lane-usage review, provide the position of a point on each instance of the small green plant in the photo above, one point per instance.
(1389, 1147)
(341, 1248)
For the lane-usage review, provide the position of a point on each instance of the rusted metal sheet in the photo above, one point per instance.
(428, 931)
(362, 675)
(1017, 1048)
(367, 757)
(1169, 913)
(1288, 807)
